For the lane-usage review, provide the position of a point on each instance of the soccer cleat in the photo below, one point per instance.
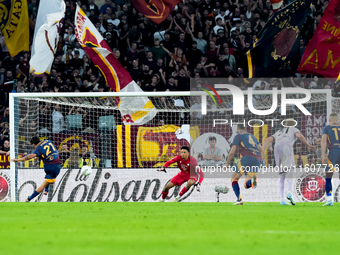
(162, 200)
(254, 182)
(238, 202)
(176, 199)
(283, 202)
(328, 203)
(290, 199)
(28, 199)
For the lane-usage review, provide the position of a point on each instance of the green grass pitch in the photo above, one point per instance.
(168, 228)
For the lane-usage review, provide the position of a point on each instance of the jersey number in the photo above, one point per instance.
(47, 148)
(251, 141)
(336, 133)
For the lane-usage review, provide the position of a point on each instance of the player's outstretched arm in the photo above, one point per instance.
(323, 148)
(231, 155)
(303, 139)
(28, 157)
(267, 142)
(162, 169)
(261, 150)
(200, 178)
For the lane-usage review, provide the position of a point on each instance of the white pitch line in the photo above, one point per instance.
(290, 232)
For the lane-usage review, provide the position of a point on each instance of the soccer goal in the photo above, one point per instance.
(124, 157)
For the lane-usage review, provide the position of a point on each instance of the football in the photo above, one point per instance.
(86, 170)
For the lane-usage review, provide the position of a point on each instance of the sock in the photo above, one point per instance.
(183, 191)
(46, 188)
(290, 185)
(164, 194)
(35, 193)
(328, 188)
(236, 189)
(248, 184)
(282, 186)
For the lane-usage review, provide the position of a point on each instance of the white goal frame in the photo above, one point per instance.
(14, 96)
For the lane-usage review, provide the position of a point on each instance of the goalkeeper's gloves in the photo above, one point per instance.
(198, 186)
(162, 169)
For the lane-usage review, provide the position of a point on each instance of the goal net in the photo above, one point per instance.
(87, 128)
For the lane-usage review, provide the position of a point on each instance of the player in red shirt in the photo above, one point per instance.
(190, 173)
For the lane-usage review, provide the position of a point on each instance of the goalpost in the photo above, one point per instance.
(124, 156)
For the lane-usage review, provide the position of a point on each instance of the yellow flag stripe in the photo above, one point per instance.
(120, 145)
(250, 64)
(128, 145)
(264, 137)
(140, 114)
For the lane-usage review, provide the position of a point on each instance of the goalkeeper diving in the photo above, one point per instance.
(190, 173)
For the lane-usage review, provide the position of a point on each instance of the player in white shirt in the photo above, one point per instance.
(284, 155)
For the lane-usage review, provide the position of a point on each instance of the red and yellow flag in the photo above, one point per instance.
(155, 10)
(137, 111)
(322, 54)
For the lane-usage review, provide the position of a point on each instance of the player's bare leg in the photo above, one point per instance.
(38, 191)
(165, 191)
(185, 189)
(251, 181)
(234, 182)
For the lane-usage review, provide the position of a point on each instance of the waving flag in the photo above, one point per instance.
(322, 54)
(14, 25)
(276, 53)
(155, 10)
(47, 30)
(137, 111)
(276, 4)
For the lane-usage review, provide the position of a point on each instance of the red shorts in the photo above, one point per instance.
(181, 178)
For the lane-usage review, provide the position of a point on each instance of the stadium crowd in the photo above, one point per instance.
(199, 39)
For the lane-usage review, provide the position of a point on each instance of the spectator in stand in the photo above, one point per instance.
(135, 71)
(108, 4)
(153, 85)
(92, 6)
(132, 54)
(4, 149)
(114, 20)
(86, 155)
(76, 62)
(212, 53)
(93, 83)
(181, 43)
(167, 42)
(183, 78)
(24, 66)
(194, 55)
(75, 161)
(146, 75)
(10, 63)
(150, 61)
(69, 37)
(4, 132)
(64, 153)
(6, 115)
(68, 55)
(228, 59)
(171, 85)
(157, 51)
(159, 66)
(111, 38)
(58, 121)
